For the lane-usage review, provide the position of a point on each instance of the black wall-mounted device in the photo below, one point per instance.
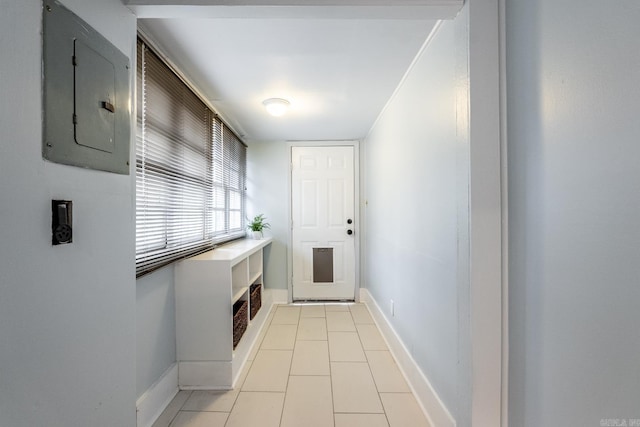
(61, 221)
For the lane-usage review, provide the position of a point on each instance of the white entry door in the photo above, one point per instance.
(323, 229)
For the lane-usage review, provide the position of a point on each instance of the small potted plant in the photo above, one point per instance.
(257, 225)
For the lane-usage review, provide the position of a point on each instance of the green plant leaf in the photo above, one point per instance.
(258, 223)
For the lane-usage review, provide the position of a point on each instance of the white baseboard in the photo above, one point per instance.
(431, 404)
(279, 296)
(205, 375)
(153, 401)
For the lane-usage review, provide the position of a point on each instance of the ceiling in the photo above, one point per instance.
(338, 67)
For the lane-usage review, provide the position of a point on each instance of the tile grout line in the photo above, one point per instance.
(259, 342)
(258, 345)
(286, 388)
(180, 408)
(333, 404)
(384, 410)
(238, 394)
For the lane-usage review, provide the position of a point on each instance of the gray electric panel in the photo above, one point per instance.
(86, 95)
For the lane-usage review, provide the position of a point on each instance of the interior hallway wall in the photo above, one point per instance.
(155, 327)
(573, 73)
(416, 238)
(67, 313)
(268, 193)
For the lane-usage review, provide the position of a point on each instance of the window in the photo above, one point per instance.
(190, 170)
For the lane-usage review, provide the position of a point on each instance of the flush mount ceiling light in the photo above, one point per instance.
(276, 106)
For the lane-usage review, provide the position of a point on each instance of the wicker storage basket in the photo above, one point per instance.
(256, 299)
(240, 321)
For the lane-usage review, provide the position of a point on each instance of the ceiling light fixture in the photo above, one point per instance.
(276, 106)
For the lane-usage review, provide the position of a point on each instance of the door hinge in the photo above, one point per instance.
(74, 60)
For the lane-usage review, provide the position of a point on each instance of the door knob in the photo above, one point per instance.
(349, 221)
(349, 232)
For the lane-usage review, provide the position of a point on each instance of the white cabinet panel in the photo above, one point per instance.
(207, 286)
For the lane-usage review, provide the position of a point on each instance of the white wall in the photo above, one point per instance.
(573, 70)
(67, 313)
(155, 327)
(268, 193)
(416, 214)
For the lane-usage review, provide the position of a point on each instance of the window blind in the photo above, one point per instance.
(190, 170)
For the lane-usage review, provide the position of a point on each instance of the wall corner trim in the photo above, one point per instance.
(431, 404)
(150, 405)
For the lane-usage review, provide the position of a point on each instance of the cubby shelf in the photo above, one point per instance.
(207, 286)
(238, 293)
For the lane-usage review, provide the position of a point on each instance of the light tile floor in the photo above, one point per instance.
(320, 365)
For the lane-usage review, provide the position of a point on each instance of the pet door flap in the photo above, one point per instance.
(322, 265)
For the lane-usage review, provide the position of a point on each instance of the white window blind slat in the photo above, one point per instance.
(190, 170)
